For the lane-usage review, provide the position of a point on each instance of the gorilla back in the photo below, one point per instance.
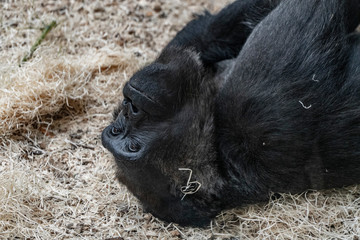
(286, 117)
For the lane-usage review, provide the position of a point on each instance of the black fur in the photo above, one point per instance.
(221, 36)
(283, 116)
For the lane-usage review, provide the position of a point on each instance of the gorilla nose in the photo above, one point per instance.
(121, 127)
(132, 115)
(115, 131)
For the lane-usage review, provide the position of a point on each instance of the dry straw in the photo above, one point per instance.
(45, 86)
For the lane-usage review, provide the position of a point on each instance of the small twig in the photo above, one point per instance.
(313, 78)
(179, 230)
(191, 187)
(76, 145)
(46, 30)
(303, 105)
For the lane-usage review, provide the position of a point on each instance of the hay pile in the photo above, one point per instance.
(57, 181)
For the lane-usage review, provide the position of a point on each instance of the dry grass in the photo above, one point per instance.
(56, 180)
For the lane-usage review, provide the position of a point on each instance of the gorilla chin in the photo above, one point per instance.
(218, 120)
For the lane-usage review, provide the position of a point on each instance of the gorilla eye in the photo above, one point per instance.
(115, 131)
(134, 147)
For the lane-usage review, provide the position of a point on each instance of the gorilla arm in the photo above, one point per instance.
(221, 36)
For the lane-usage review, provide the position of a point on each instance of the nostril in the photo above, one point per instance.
(115, 131)
(134, 147)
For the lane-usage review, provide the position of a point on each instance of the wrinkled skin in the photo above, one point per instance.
(282, 115)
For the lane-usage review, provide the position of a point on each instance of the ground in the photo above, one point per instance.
(57, 181)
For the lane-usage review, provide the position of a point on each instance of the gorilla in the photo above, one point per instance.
(262, 97)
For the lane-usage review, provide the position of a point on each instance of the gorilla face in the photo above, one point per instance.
(165, 123)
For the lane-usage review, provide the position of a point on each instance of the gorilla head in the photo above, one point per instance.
(165, 123)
